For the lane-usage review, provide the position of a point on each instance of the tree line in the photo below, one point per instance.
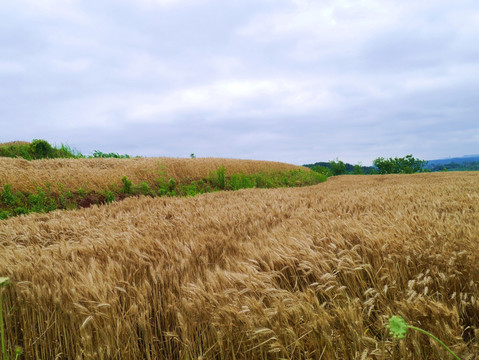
(381, 166)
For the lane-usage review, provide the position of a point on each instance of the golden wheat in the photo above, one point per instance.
(98, 174)
(13, 143)
(303, 273)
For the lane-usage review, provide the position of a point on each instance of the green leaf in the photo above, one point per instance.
(397, 327)
(4, 281)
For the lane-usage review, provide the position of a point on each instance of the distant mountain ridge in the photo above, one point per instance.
(458, 160)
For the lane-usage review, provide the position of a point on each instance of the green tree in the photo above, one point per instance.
(337, 167)
(358, 170)
(41, 149)
(322, 170)
(404, 165)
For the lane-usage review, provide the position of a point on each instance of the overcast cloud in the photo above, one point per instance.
(289, 80)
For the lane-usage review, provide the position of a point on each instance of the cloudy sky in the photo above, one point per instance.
(289, 80)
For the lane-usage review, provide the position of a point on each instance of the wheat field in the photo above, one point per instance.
(296, 273)
(98, 174)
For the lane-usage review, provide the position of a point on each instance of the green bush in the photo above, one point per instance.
(41, 149)
(358, 170)
(8, 197)
(66, 152)
(241, 181)
(127, 185)
(81, 192)
(13, 151)
(404, 165)
(21, 210)
(109, 196)
(323, 170)
(337, 167)
(99, 154)
(37, 201)
(145, 189)
(218, 178)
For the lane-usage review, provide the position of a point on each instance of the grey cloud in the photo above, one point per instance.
(235, 79)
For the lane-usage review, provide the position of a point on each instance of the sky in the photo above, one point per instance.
(295, 81)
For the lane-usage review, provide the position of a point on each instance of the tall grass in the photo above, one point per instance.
(37, 149)
(296, 273)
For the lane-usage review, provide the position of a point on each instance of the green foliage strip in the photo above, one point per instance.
(41, 149)
(405, 165)
(45, 200)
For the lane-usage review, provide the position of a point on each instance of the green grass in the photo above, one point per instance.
(42, 149)
(44, 200)
(38, 149)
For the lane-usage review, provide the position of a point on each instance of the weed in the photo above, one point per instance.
(145, 189)
(109, 196)
(127, 185)
(7, 196)
(37, 201)
(218, 178)
(82, 192)
(5, 281)
(398, 328)
(21, 210)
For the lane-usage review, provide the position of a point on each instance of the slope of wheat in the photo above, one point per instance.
(13, 143)
(98, 174)
(301, 273)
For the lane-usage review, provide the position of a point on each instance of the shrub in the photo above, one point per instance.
(145, 189)
(241, 181)
(218, 178)
(41, 149)
(37, 201)
(99, 154)
(7, 196)
(358, 170)
(109, 197)
(404, 165)
(337, 167)
(323, 170)
(127, 185)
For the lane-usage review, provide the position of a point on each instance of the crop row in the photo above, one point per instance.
(44, 199)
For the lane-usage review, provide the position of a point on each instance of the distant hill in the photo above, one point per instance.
(458, 160)
(463, 163)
